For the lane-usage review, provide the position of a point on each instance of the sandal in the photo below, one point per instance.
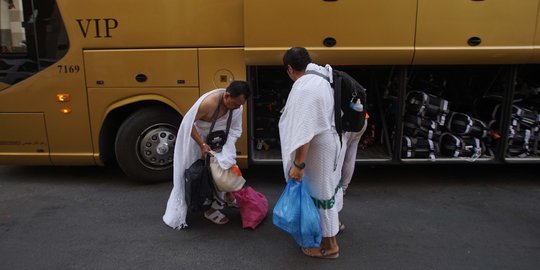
(311, 252)
(216, 217)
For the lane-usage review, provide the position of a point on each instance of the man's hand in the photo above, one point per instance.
(296, 173)
(205, 149)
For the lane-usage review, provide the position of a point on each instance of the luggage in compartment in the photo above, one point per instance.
(418, 121)
(452, 145)
(520, 142)
(267, 106)
(424, 104)
(463, 124)
(418, 126)
(536, 145)
(418, 148)
(525, 119)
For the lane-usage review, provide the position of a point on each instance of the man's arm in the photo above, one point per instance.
(296, 172)
(227, 157)
(196, 136)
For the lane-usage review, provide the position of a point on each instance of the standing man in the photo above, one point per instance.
(350, 145)
(310, 145)
(191, 145)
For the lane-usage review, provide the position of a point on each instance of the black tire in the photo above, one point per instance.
(145, 142)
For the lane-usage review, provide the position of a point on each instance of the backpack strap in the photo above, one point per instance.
(313, 72)
(336, 86)
(337, 105)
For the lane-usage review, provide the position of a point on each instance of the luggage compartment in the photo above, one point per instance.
(523, 143)
(271, 87)
(421, 114)
(457, 109)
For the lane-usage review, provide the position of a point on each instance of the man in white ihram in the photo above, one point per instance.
(310, 145)
(191, 145)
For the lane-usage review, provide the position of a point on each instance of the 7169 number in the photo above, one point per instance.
(68, 68)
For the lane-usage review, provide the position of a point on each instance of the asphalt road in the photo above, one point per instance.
(414, 217)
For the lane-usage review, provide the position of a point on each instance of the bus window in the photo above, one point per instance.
(32, 37)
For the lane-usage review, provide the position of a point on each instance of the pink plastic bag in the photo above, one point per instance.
(253, 207)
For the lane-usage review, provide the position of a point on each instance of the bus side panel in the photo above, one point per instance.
(536, 51)
(448, 32)
(23, 139)
(152, 24)
(365, 32)
(118, 78)
(67, 125)
(141, 68)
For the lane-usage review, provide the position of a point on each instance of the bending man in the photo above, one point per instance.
(191, 145)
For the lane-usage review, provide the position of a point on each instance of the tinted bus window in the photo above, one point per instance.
(32, 37)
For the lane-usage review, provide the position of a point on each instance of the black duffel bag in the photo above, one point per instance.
(463, 124)
(519, 142)
(424, 104)
(526, 119)
(418, 126)
(418, 148)
(452, 145)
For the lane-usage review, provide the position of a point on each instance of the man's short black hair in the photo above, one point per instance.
(297, 57)
(237, 88)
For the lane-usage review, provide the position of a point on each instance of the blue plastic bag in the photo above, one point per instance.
(296, 214)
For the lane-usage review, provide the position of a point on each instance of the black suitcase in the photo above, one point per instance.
(525, 118)
(418, 148)
(418, 126)
(424, 104)
(420, 132)
(519, 142)
(419, 121)
(451, 145)
(425, 148)
(407, 147)
(463, 124)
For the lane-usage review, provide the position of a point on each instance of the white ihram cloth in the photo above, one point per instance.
(187, 151)
(308, 116)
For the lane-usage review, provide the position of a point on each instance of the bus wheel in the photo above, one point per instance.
(145, 142)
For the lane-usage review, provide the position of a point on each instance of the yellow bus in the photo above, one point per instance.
(104, 82)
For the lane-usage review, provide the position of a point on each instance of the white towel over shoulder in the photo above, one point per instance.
(309, 111)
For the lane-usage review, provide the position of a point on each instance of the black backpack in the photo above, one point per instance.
(346, 92)
(198, 186)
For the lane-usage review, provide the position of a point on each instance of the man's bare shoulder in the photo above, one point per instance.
(207, 107)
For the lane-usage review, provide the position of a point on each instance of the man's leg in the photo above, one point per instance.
(350, 140)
